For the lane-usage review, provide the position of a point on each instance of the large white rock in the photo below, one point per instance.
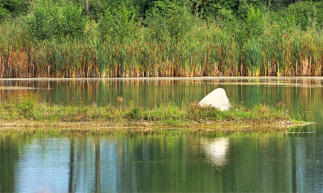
(217, 99)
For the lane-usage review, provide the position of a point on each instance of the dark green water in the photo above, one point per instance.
(281, 162)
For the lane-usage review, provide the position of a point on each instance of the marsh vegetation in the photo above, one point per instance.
(59, 38)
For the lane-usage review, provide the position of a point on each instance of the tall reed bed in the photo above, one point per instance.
(206, 50)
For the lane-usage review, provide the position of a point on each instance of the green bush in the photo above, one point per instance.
(305, 13)
(134, 113)
(51, 20)
(212, 9)
(118, 23)
(4, 13)
(14, 7)
(98, 8)
(168, 19)
(25, 108)
(252, 25)
(255, 24)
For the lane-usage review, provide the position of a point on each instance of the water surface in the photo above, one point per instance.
(280, 162)
(249, 163)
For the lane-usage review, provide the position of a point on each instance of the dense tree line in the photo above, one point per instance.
(141, 9)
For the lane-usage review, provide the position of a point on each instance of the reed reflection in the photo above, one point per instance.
(258, 163)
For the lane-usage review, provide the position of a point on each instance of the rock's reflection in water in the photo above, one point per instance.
(216, 150)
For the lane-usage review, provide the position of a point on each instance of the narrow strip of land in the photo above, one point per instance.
(31, 116)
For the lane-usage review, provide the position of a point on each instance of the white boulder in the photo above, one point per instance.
(217, 99)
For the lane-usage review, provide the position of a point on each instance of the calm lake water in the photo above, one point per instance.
(281, 162)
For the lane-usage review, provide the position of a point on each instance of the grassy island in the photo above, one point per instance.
(31, 116)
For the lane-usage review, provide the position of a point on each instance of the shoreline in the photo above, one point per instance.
(129, 128)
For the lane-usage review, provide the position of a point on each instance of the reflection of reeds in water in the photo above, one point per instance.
(16, 88)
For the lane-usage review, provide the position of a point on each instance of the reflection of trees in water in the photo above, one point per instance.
(308, 167)
(164, 163)
(73, 174)
(85, 170)
(275, 164)
(8, 155)
(258, 163)
(71, 168)
(97, 165)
